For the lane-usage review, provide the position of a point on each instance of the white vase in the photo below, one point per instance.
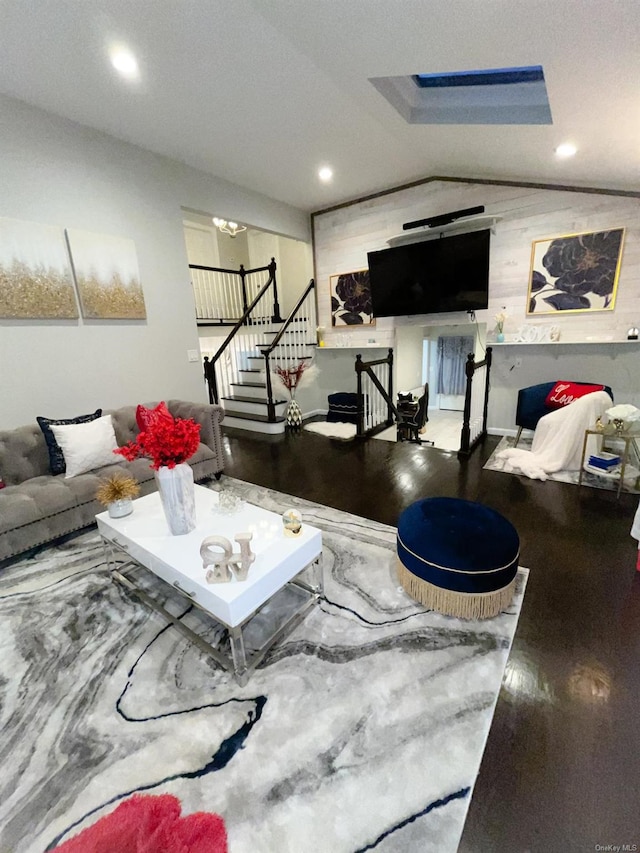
(177, 495)
(118, 509)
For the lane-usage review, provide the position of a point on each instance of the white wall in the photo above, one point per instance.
(57, 172)
(408, 359)
(343, 237)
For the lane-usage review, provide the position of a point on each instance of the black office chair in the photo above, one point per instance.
(411, 422)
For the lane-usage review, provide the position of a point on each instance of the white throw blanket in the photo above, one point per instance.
(635, 529)
(558, 439)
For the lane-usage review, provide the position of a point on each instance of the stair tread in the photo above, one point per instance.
(239, 398)
(282, 357)
(245, 416)
(286, 332)
(248, 384)
(300, 343)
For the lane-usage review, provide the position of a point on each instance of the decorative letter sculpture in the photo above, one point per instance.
(224, 564)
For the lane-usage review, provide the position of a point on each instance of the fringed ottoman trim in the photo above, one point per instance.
(474, 572)
(464, 605)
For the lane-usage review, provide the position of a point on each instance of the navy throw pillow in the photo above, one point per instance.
(56, 456)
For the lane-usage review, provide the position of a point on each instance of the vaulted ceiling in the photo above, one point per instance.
(264, 92)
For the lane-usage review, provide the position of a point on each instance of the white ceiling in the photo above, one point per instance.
(263, 92)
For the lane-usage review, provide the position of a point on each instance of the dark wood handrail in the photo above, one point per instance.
(233, 272)
(241, 322)
(365, 367)
(242, 274)
(210, 364)
(267, 352)
(271, 408)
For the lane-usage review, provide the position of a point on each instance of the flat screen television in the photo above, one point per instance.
(431, 277)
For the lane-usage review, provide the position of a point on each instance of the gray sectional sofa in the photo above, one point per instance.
(37, 507)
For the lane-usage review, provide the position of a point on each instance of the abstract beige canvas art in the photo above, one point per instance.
(107, 277)
(35, 274)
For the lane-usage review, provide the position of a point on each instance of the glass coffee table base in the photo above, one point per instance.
(243, 657)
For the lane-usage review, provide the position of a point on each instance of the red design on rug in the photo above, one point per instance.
(564, 393)
(148, 417)
(148, 824)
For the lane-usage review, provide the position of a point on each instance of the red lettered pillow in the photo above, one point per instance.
(564, 393)
(148, 417)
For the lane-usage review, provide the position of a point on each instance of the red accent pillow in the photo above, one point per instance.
(564, 393)
(147, 417)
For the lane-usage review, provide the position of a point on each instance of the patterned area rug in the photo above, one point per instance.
(595, 481)
(363, 730)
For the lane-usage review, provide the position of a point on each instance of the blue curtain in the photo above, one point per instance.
(452, 356)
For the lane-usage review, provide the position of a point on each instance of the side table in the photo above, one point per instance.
(630, 443)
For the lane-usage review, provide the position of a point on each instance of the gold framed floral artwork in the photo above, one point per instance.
(575, 273)
(106, 273)
(35, 274)
(351, 299)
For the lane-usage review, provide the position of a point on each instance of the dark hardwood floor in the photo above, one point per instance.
(561, 767)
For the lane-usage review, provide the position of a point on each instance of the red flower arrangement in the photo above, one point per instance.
(166, 441)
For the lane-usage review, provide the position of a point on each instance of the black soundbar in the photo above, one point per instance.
(444, 218)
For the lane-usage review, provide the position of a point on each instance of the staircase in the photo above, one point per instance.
(239, 373)
(247, 404)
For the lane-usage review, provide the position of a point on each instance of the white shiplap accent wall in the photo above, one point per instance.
(586, 352)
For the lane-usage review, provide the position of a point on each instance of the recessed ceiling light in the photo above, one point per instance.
(567, 149)
(325, 174)
(124, 62)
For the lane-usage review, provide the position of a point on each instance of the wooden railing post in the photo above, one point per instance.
(360, 414)
(389, 406)
(271, 408)
(465, 433)
(210, 379)
(276, 318)
(488, 359)
(243, 274)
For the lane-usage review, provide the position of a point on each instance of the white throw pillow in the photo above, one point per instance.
(86, 446)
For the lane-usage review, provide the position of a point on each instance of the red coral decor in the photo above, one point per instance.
(291, 376)
(166, 441)
(151, 824)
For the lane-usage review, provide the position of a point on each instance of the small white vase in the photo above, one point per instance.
(178, 498)
(118, 509)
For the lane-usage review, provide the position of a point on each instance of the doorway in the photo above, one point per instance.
(444, 355)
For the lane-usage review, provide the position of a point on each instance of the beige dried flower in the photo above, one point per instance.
(117, 487)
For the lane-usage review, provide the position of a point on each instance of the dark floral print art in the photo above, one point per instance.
(579, 273)
(351, 299)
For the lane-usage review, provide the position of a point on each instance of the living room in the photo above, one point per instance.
(81, 149)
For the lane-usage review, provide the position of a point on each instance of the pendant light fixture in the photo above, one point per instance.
(230, 228)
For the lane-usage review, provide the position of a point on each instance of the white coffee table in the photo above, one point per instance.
(144, 539)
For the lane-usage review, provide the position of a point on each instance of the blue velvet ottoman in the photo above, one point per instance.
(457, 557)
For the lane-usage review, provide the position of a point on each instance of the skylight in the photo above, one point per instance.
(515, 95)
(489, 77)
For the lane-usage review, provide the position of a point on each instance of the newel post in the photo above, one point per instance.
(276, 318)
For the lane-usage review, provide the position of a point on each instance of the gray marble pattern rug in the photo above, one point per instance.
(594, 481)
(363, 730)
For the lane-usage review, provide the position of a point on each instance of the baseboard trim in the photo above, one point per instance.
(502, 431)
